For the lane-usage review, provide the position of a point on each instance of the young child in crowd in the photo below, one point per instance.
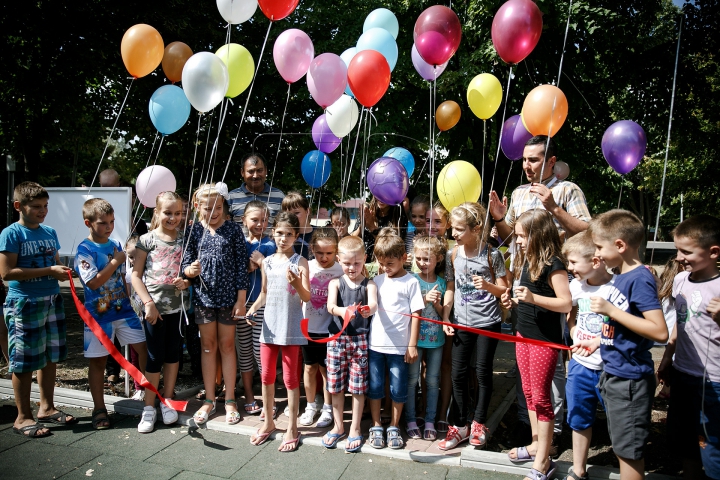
(376, 216)
(665, 288)
(285, 285)
(33, 309)
(429, 254)
(591, 280)
(323, 268)
(691, 364)
(156, 279)
(418, 208)
(347, 356)
(635, 322)
(340, 221)
(137, 306)
(100, 262)
(541, 296)
(215, 261)
(393, 335)
(297, 204)
(479, 279)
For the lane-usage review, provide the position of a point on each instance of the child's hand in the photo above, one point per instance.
(433, 296)
(238, 311)
(585, 348)
(448, 330)
(193, 270)
(250, 318)
(257, 258)
(180, 283)
(523, 294)
(601, 306)
(411, 355)
(664, 370)
(364, 311)
(480, 283)
(293, 278)
(59, 272)
(713, 309)
(506, 299)
(118, 256)
(252, 266)
(151, 313)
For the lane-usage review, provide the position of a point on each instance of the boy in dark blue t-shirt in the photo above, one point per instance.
(635, 321)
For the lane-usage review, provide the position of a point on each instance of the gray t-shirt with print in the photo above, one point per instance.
(473, 307)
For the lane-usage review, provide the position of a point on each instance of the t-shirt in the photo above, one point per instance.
(35, 248)
(625, 353)
(267, 247)
(698, 336)
(538, 322)
(588, 325)
(162, 267)
(431, 334)
(390, 332)
(302, 245)
(283, 306)
(240, 197)
(316, 310)
(109, 302)
(473, 307)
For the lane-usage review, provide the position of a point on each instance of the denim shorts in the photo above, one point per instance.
(379, 363)
(582, 395)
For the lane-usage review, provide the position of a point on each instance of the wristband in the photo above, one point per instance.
(502, 219)
(149, 301)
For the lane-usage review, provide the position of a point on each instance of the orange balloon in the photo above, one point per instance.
(545, 110)
(142, 49)
(176, 54)
(447, 115)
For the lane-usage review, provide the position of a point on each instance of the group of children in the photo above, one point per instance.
(423, 317)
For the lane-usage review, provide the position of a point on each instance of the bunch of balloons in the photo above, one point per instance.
(436, 36)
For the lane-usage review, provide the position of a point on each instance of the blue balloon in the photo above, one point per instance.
(382, 41)
(169, 109)
(382, 18)
(403, 156)
(346, 57)
(315, 168)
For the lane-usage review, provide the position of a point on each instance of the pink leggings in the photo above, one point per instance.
(537, 367)
(290, 360)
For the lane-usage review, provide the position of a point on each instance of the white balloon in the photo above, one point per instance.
(342, 116)
(205, 80)
(237, 11)
(561, 170)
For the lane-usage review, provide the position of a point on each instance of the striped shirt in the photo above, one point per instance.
(240, 197)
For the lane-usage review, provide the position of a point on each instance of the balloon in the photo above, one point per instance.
(315, 168)
(484, 95)
(623, 145)
(326, 79)
(293, 51)
(236, 11)
(169, 109)
(514, 137)
(426, 71)
(369, 77)
(382, 41)
(240, 66)
(447, 115)
(561, 170)
(458, 182)
(142, 49)
(174, 58)
(347, 57)
(325, 140)
(403, 156)
(277, 9)
(388, 180)
(152, 181)
(382, 18)
(544, 110)
(342, 116)
(437, 34)
(516, 29)
(205, 80)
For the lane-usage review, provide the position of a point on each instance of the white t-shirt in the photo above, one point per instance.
(316, 309)
(390, 332)
(588, 325)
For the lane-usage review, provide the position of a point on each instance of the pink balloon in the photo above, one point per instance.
(293, 51)
(516, 29)
(153, 181)
(327, 79)
(437, 34)
(426, 71)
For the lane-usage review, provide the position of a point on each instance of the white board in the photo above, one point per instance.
(65, 214)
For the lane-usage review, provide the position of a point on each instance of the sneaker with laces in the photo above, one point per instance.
(139, 395)
(455, 436)
(169, 415)
(326, 417)
(478, 434)
(308, 417)
(147, 420)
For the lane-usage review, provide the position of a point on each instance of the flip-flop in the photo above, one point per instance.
(522, 455)
(59, 418)
(32, 431)
(351, 440)
(260, 438)
(334, 437)
(295, 442)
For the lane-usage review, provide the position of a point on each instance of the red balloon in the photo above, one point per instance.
(277, 9)
(437, 34)
(516, 29)
(368, 76)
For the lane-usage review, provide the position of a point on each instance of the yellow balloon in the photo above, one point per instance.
(484, 95)
(458, 182)
(240, 65)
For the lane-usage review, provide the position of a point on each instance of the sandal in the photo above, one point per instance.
(521, 455)
(260, 438)
(98, 422)
(394, 440)
(334, 438)
(201, 417)
(352, 440)
(252, 408)
(442, 426)
(430, 433)
(377, 437)
(574, 476)
(59, 418)
(295, 442)
(232, 417)
(538, 475)
(412, 430)
(32, 431)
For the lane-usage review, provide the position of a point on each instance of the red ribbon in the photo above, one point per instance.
(92, 324)
(347, 318)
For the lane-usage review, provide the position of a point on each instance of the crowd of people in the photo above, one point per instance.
(409, 301)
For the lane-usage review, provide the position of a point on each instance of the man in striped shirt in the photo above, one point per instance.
(254, 173)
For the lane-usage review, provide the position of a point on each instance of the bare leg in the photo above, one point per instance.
(327, 398)
(228, 355)
(46, 382)
(292, 430)
(22, 384)
(532, 448)
(581, 444)
(542, 441)
(397, 409)
(338, 404)
(153, 378)
(247, 379)
(375, 406)
(268, 398)
(208, 361)
(358, 402)
(170, 374)
(141, 350)
(632, 469)
(310, 380)
(96, 378)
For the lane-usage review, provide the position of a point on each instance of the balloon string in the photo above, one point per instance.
(277, 152)
(224, 106)
(562, 55)
(357, 136)
(482, 165)
(162, 139)
(136, 202)
(207, 142)
(190, 199)
(622, 178)
(507, 181)
(667, 144)
(432, 135)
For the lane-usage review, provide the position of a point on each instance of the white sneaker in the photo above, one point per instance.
(308, 418)
(147, 420)
(326, 417)
(139, 395)
(169, 415)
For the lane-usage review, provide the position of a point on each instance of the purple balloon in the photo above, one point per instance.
(325, 140)
(514, 136)
(388, 180)
(427, 71)
(623, 145)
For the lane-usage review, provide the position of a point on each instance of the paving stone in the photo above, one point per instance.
(30, 460)
(374, 466)
(111, 467)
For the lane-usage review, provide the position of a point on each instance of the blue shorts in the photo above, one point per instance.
(378, 364)
(582, 395)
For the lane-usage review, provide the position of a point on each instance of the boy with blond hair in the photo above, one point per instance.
(634, 322)
(34, 312)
